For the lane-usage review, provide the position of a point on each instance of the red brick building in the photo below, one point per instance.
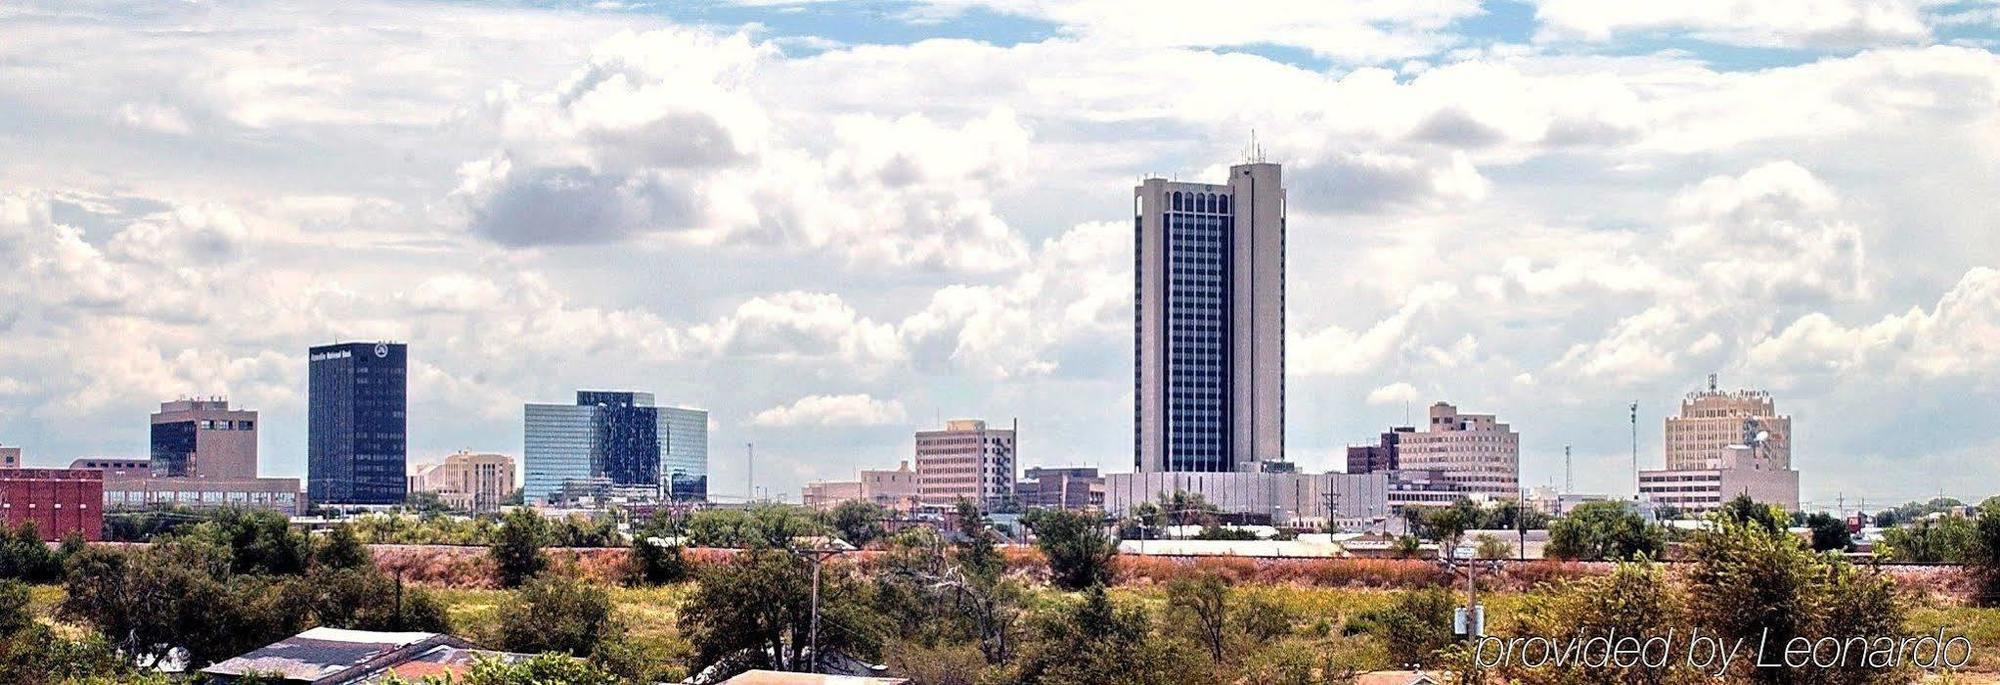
(59, 501)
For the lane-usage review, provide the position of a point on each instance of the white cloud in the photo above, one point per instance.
(833, 411)
(1762, 23)
(1393, 394)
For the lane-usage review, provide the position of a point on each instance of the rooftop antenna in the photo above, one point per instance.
(1711, 382)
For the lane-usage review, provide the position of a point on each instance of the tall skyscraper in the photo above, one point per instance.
(614, 443)
(357, 423)
(1475, 452)
(1209, 329)
(204, 439)
(967, 460)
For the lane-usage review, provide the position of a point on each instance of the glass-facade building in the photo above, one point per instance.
(1208, 331)
(684, 464)
(357, 423)
(613, 442)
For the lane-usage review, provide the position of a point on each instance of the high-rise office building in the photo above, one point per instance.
(204, 439)
(1209, 326)
(1381, 456)
(1475, 452)
(1724, 444)
(614, 443)
(967, 460)
(684, 462)
(357, 423)
(1711, 421)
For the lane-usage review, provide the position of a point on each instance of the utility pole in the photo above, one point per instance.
(1569, 475)
(818, 557)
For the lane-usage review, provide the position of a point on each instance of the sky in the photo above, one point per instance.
(833, 223)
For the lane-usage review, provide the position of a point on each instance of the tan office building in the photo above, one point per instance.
(204, 438)
(966, 459)
(467, 482)
(1475, 452)
(1712, 421)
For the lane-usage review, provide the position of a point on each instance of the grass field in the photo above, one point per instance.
(1319, 613)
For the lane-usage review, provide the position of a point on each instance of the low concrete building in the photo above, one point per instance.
(1061, 488)
(145, 492)
(827, 494)
(332, 656)
(896, 489)
(1290, 498)
(465, 481)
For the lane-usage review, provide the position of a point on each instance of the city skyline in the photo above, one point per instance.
(712, 202)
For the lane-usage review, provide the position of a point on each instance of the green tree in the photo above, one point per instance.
(859, 522)
(342, 550)
(1930, 540)
(545, 669)
(259, 542)
(556, 614)
(755, 611)
(1601, 531)
(1078, 551)
(1829, 534)
(1414, 627)
(656, 563)
(1983, 556)
(25, 556)
(1097, 642)
(765, 525)
(1635, 599)
(1749, 582)
(1746, 511)
(1200, 604)
(978, 548)
(517, 551)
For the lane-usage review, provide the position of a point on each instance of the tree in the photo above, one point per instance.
(1983, 557)
(755, 611)
(656, 563)
(182, 595)
(342, 550)
(765, 525)
(1414, 627)
(935, 600)
(366, 599)
(518, 550)
(1492, 547)
(1749, 582)
(24, 556)
(1096, 641)
(1201, 604)
(1930, 540)
(1635, 599)
(978, 550)
(425, 503)
(1079, 553)
(858, 521)
(1601, 531)
(1829, 534)
(259, 542)
(556, 613)
(1743, 510)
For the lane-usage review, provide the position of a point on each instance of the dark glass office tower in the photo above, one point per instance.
(626, 437)
(356, 424)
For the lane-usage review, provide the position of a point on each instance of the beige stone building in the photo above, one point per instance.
(827, 494)
(1725, 444)
(893, 489)
(1711, 421)
(466, 481)
(966, 459)
(1475, 452)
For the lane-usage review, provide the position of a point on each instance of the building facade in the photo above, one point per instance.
(1381, 456)
(614, 443)
(967, 459)
(142, 491)
(896, 489)
(204, 438)
(1474, 451)
(1712, 421)
(1288, 498)
(827, 494)
(58, 501)
(1721, 445)
(684, 464)
(467, 482)
(1209, 322)
(357, 423)
(1062, 488)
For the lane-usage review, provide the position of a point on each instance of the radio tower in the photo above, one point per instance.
(1635, 451)
(1569, 481)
